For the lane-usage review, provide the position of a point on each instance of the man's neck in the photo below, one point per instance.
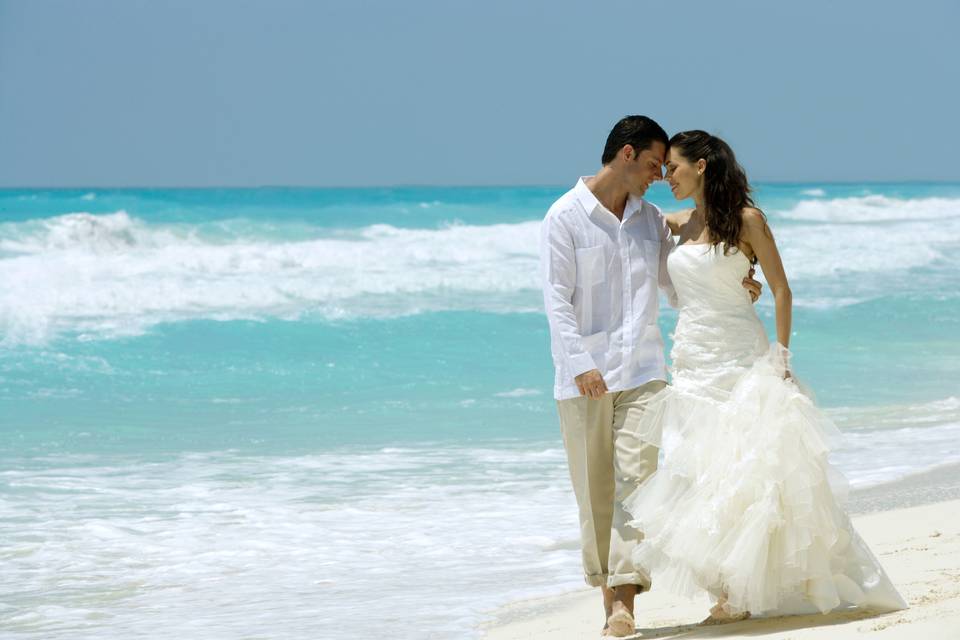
(609, 190)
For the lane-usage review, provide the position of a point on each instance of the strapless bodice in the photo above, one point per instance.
(718, 333)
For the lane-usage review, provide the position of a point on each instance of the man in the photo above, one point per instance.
(603, 254)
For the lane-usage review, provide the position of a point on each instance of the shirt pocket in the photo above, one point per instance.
(651, 258)
(591, 267)
(596, 345)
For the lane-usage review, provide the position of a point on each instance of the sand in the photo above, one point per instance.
(918, 546)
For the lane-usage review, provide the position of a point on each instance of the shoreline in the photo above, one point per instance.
(918, 546)
(939, 484)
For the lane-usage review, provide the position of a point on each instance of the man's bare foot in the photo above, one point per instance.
(620, 622)
(607, 593)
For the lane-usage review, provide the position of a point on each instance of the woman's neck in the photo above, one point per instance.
(699, 200)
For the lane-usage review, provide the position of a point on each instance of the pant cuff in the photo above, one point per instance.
(642, 580)
(596, 579)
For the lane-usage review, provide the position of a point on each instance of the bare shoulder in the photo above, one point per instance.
(677, 219)
(753, 219)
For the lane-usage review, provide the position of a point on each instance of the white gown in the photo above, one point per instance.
(744, 501)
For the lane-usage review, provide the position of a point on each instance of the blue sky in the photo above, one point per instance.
(240, 93)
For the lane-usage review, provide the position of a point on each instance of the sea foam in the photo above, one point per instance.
(874, 208)
(111, 275)
(108, 275)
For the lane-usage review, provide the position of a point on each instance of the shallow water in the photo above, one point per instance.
(233, 412)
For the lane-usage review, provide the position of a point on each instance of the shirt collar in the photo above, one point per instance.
(587, 200)
(634, 205)
(590, 203)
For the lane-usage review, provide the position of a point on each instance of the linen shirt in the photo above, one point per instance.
(600, 280)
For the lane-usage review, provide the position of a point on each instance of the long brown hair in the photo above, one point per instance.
(726, 191)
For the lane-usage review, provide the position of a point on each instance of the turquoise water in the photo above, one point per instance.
(199, 388)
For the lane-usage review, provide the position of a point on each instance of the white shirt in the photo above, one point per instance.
(600, 280)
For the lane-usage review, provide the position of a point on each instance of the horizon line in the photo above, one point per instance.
(426, 185)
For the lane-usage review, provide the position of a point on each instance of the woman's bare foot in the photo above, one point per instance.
(722, 613)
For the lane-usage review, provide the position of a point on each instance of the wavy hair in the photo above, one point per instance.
(726, 191)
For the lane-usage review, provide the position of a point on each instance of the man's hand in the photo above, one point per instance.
(752, 285)
(591, 384)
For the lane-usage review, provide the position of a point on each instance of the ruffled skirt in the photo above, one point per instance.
(745, 503)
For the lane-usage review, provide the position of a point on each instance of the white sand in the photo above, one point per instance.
(918, 546)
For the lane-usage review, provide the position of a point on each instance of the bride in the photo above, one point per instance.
(745, 505)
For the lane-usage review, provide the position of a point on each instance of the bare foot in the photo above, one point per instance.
(607, 608)
(722, 613)
(620, 621)
(621, 624)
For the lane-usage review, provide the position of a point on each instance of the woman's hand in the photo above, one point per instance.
(751, 285)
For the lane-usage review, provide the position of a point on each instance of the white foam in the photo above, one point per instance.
(93, 233)
(113, 275)
(879, 457)
(190, 545)
(943, 411)
(816, 193)
(873, 208)
(882, 444)
(847, 250)
(519, 392)
(100, 276)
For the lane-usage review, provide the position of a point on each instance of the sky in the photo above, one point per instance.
(452, 92)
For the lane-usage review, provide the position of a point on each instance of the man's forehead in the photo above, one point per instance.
(657, 151)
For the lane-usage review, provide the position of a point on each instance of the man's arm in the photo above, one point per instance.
(558, 268)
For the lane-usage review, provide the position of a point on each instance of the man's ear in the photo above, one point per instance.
(628, 152)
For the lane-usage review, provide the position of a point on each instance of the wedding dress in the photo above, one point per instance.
(744, 504)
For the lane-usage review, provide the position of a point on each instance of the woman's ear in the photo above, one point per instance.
(701, 166)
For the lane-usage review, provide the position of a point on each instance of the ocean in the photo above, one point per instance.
(319, 413)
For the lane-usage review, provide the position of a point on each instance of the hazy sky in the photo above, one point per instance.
(283, 92)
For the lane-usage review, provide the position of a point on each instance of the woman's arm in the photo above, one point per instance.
(676, 220)
(760, 239)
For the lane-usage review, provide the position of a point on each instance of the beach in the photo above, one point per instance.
(918, 546)
(236, 413)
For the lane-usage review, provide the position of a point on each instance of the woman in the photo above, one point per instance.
(744, 504)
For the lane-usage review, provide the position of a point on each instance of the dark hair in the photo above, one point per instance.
(640, 132)
(726, 191)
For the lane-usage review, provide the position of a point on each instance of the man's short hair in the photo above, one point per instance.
(640, 132)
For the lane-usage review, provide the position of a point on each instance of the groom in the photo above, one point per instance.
(603, 257)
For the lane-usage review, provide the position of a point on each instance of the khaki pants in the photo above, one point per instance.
(607, 462)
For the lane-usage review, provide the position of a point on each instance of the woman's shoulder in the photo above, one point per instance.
(752, 215)
(754, 230)
(677, 219)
